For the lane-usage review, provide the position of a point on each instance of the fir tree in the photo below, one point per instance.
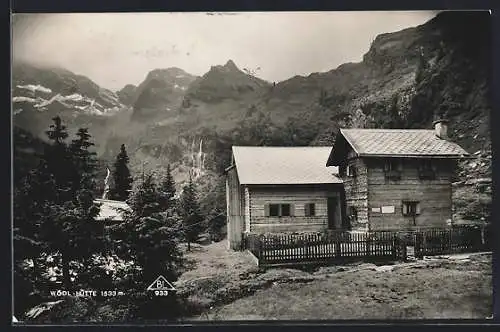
(67, 224)
(121, 176)
(58, 160)
(150, 235)
(190, 213)
(167, 189)
(84, 161)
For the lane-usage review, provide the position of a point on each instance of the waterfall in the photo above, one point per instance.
(106, 185)
(197, 159)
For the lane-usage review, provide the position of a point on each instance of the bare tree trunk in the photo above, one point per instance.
(189, 245)
(65, 268)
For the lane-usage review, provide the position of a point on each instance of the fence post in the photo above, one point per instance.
(419, 252)
(260, 247)
(394, 245)
(368, 245)
(338, 247)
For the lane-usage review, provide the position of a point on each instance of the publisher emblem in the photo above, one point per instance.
(161, 286)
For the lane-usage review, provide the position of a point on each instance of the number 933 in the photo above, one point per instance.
(161, 293)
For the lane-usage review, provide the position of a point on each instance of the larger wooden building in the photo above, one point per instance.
(281, 189)
(372, 179)
(397, 178)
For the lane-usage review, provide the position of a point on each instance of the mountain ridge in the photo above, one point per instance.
(405, 79)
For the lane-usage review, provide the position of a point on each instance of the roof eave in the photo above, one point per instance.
(437, 156)
(290, 184)
(331, 161)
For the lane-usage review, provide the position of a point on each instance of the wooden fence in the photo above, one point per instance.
(275, 249)
(452, 241)
(341, 246)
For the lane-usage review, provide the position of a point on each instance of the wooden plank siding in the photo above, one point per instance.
(434, 195)
(298, 196)
(235, 208)
(246, 204)
(356, 191)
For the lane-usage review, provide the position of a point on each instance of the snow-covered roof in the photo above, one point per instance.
(110, 209)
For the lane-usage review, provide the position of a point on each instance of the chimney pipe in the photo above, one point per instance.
(441, 128)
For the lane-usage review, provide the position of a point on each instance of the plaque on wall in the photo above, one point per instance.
(376, 209)
(388, 209)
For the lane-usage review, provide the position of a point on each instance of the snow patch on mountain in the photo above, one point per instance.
(33, 88)
(177, 86)
(25, 99)
(68, 101)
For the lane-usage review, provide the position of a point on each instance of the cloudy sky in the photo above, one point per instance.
(115, 49)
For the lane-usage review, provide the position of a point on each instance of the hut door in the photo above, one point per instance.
(332, 211)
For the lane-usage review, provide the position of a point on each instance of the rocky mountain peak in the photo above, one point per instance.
(231, 65)
(167, 73)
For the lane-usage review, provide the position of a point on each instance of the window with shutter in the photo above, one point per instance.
(309, 210)
(274, 210)
(266, 210)
(411, 208)
(285, 210)
(279, 210)
(405, 209)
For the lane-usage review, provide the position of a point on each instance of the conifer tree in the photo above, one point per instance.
(150, 236)
(167, 189)
(67, 221)
(58, 160)
(122, 183)
(191, 213)
(84, 161)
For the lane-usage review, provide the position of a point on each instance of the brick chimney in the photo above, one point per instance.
(441, 128)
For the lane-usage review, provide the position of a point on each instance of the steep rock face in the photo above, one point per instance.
(224, 82)
(127, 94)
(161, 93)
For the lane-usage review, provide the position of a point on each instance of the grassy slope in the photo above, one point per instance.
(438, 288)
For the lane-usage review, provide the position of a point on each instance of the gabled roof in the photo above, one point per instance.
(411, 143)
(111, 209)
(283, 165)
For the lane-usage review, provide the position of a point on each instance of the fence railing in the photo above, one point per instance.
(451, 241)
(319, 247)
(272, 249)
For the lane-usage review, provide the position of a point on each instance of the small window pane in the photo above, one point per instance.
(411, 208)
(285, 210)
(274, 210)
(310, 210)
